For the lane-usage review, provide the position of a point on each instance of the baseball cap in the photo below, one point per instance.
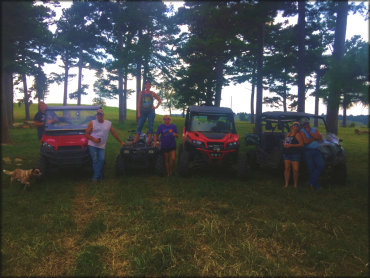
(296, 124)
(100, 111)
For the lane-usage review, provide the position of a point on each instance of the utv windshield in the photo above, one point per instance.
(222, 123)
(285, 124)
(68, 119)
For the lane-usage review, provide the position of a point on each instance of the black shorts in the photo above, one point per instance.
(167, 150)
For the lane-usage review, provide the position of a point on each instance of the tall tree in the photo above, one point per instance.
(334, 90)
(20, 45)
(301, 73)
(65, 47)
(208, 47)
(84, 35)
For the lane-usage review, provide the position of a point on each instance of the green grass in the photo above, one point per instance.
(204, 225)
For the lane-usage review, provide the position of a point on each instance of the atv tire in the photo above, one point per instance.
(242, 166)
(160, 167)
(339, 174)
(183, 164)
(120, 165)
(42, 165)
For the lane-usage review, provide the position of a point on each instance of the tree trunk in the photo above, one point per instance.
(26, 97)
(318, 76)
(6, 85)
(260, 43)
(120, 96)
(79, 82)
(334, 96)
(138, 85)
(252, 94)
(344, 119)
(65, 85)
(10, 99)
(209, 96)
(219, 77)
(346, 104)
(125, 97)
(301, 56)
(284, 96)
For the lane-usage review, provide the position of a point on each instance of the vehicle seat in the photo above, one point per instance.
(220, 126)
(271, 140)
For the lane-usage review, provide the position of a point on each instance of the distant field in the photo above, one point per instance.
(209, 224)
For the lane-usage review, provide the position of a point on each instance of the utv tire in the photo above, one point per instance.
(183, 164)
(242, 166)
(339, 174)
(42, 165)
(160, 167)
(120, 165)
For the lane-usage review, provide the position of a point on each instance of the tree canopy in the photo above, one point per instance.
(195, 51)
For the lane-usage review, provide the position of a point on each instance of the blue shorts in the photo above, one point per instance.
(292, 156)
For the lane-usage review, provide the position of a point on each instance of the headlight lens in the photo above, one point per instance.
(198, 144)
(233, 144)
(47, 147)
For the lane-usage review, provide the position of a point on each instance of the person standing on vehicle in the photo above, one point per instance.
(97, 133)
(293, 145)
(168, 132)
(146, 109)
(314, 160)
(39, 119)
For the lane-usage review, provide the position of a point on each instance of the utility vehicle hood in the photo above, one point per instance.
(66, 140)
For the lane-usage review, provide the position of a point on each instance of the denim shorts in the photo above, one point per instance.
(292, 156)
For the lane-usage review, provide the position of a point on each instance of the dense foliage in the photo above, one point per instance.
(195, 50)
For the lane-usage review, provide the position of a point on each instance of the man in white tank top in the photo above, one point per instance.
(97, 133)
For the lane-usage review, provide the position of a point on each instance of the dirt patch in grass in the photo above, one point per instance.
(61, 262)
(84, 206)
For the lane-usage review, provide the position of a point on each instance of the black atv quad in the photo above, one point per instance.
(139, 155)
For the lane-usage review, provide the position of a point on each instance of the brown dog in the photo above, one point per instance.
(23, 176)
(358, 132)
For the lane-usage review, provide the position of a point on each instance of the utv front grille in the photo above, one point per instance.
(215, 146)
(70, 148)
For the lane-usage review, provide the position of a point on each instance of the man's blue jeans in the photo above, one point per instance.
(150, 115)
(315, 165)
(97, 156)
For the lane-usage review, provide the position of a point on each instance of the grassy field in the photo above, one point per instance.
(204, 225)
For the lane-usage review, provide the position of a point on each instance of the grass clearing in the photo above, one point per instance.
(209, 224)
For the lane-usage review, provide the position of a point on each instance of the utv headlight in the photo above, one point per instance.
(197, 143)
(126, 151)
(47, 147)
(232, 144)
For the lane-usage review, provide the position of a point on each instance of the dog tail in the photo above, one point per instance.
(7, 172)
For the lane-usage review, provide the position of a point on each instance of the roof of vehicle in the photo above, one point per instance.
(74, 107)
(210, 109)
(287, 115)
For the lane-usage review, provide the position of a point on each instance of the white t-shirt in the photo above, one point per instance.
(100, 130)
